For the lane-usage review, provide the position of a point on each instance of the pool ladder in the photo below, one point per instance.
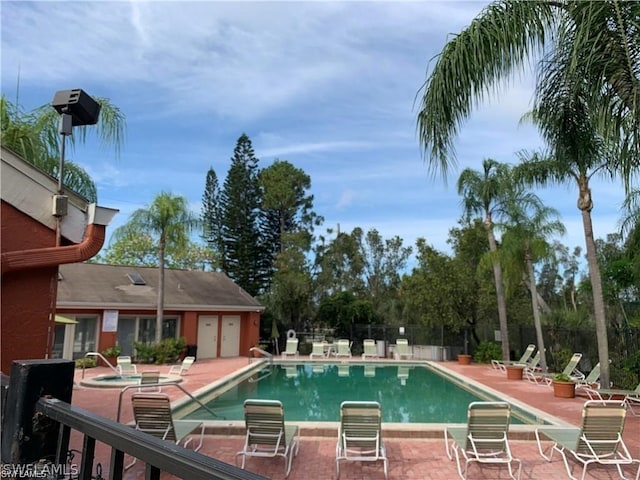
(264, 373)
(262, 352)
(164, 384)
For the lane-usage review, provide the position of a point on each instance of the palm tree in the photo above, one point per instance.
(590, 51)
(34, 136)
(578, 149)
(598, 41)
(488, 193)
(523, 244)
(169, 221)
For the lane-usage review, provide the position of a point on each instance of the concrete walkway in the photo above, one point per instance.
(411, 456)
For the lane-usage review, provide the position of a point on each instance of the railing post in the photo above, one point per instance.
(26, 435)
(88, 455)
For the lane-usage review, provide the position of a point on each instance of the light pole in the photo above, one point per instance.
(76, 108)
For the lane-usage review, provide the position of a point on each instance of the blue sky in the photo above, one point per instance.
(328, 86)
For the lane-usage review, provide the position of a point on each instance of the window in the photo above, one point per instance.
(147, 329)
(84, 338)
(136, 278)
(58, 340)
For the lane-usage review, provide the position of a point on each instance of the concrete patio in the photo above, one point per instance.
(412, 455)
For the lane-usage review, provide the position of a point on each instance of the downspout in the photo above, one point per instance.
(94, 237)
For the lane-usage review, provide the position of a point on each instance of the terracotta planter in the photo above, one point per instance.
(514, 373)
(464, 359)
(564, 389)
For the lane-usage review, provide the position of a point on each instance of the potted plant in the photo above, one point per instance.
(464, 359)
(563, 386)
(514, 372)
(111, 354)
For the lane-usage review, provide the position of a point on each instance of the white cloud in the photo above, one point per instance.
(328, 86)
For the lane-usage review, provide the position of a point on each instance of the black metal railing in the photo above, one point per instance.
(158, 455)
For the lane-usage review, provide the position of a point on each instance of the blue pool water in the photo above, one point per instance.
(313, 392)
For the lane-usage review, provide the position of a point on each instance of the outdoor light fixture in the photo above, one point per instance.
(76, 108)
(83, 109)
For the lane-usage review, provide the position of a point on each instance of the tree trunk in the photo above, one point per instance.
(598, 301)
(536, 312)
(542, 305)
(160, 306)
(502, 304)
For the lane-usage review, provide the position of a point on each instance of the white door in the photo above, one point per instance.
(208, 336)
(230, 345)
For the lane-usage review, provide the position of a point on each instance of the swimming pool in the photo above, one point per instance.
(312, 392)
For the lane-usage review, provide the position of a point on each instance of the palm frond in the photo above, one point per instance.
(500, 40)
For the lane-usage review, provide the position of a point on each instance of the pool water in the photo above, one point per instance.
(313, 392)
(121, 381)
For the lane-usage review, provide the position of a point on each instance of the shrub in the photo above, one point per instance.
(560, 359)
(486, 352)
(624, 379)
(112, 351)
(305, 348)
(562, 377)
(167, 351)
(86, 362)
(632, 363)
(144, 352)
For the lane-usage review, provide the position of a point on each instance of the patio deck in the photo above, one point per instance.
(412, 456)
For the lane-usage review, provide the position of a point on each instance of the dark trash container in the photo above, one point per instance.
(192, 351)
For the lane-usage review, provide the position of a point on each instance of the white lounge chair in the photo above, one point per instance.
(571, 370)
(484, 439)
(125, 366)
(369, 347)
(317, 350)
(402, 349)
(152, 415)
(267, 434)
(592, 379)
(344, 349)
(503, 364)
(631, 397)
(360, 434)
(291, 348)
(597, 441)
(150, 377)
(182, 368)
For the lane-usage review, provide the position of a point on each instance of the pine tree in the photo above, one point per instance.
(287, 209)
(240, 207)
(212, 217)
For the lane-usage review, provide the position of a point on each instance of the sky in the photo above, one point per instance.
(331, 87)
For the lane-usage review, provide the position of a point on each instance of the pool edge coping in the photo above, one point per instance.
(391, 429)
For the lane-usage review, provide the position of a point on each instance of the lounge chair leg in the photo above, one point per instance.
(462, 475)
(515, 477)
(541, 449)
(127, 467)
(287, 464)
(446, 445)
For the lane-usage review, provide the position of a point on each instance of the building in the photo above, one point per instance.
(41, 229)
(105, 305)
